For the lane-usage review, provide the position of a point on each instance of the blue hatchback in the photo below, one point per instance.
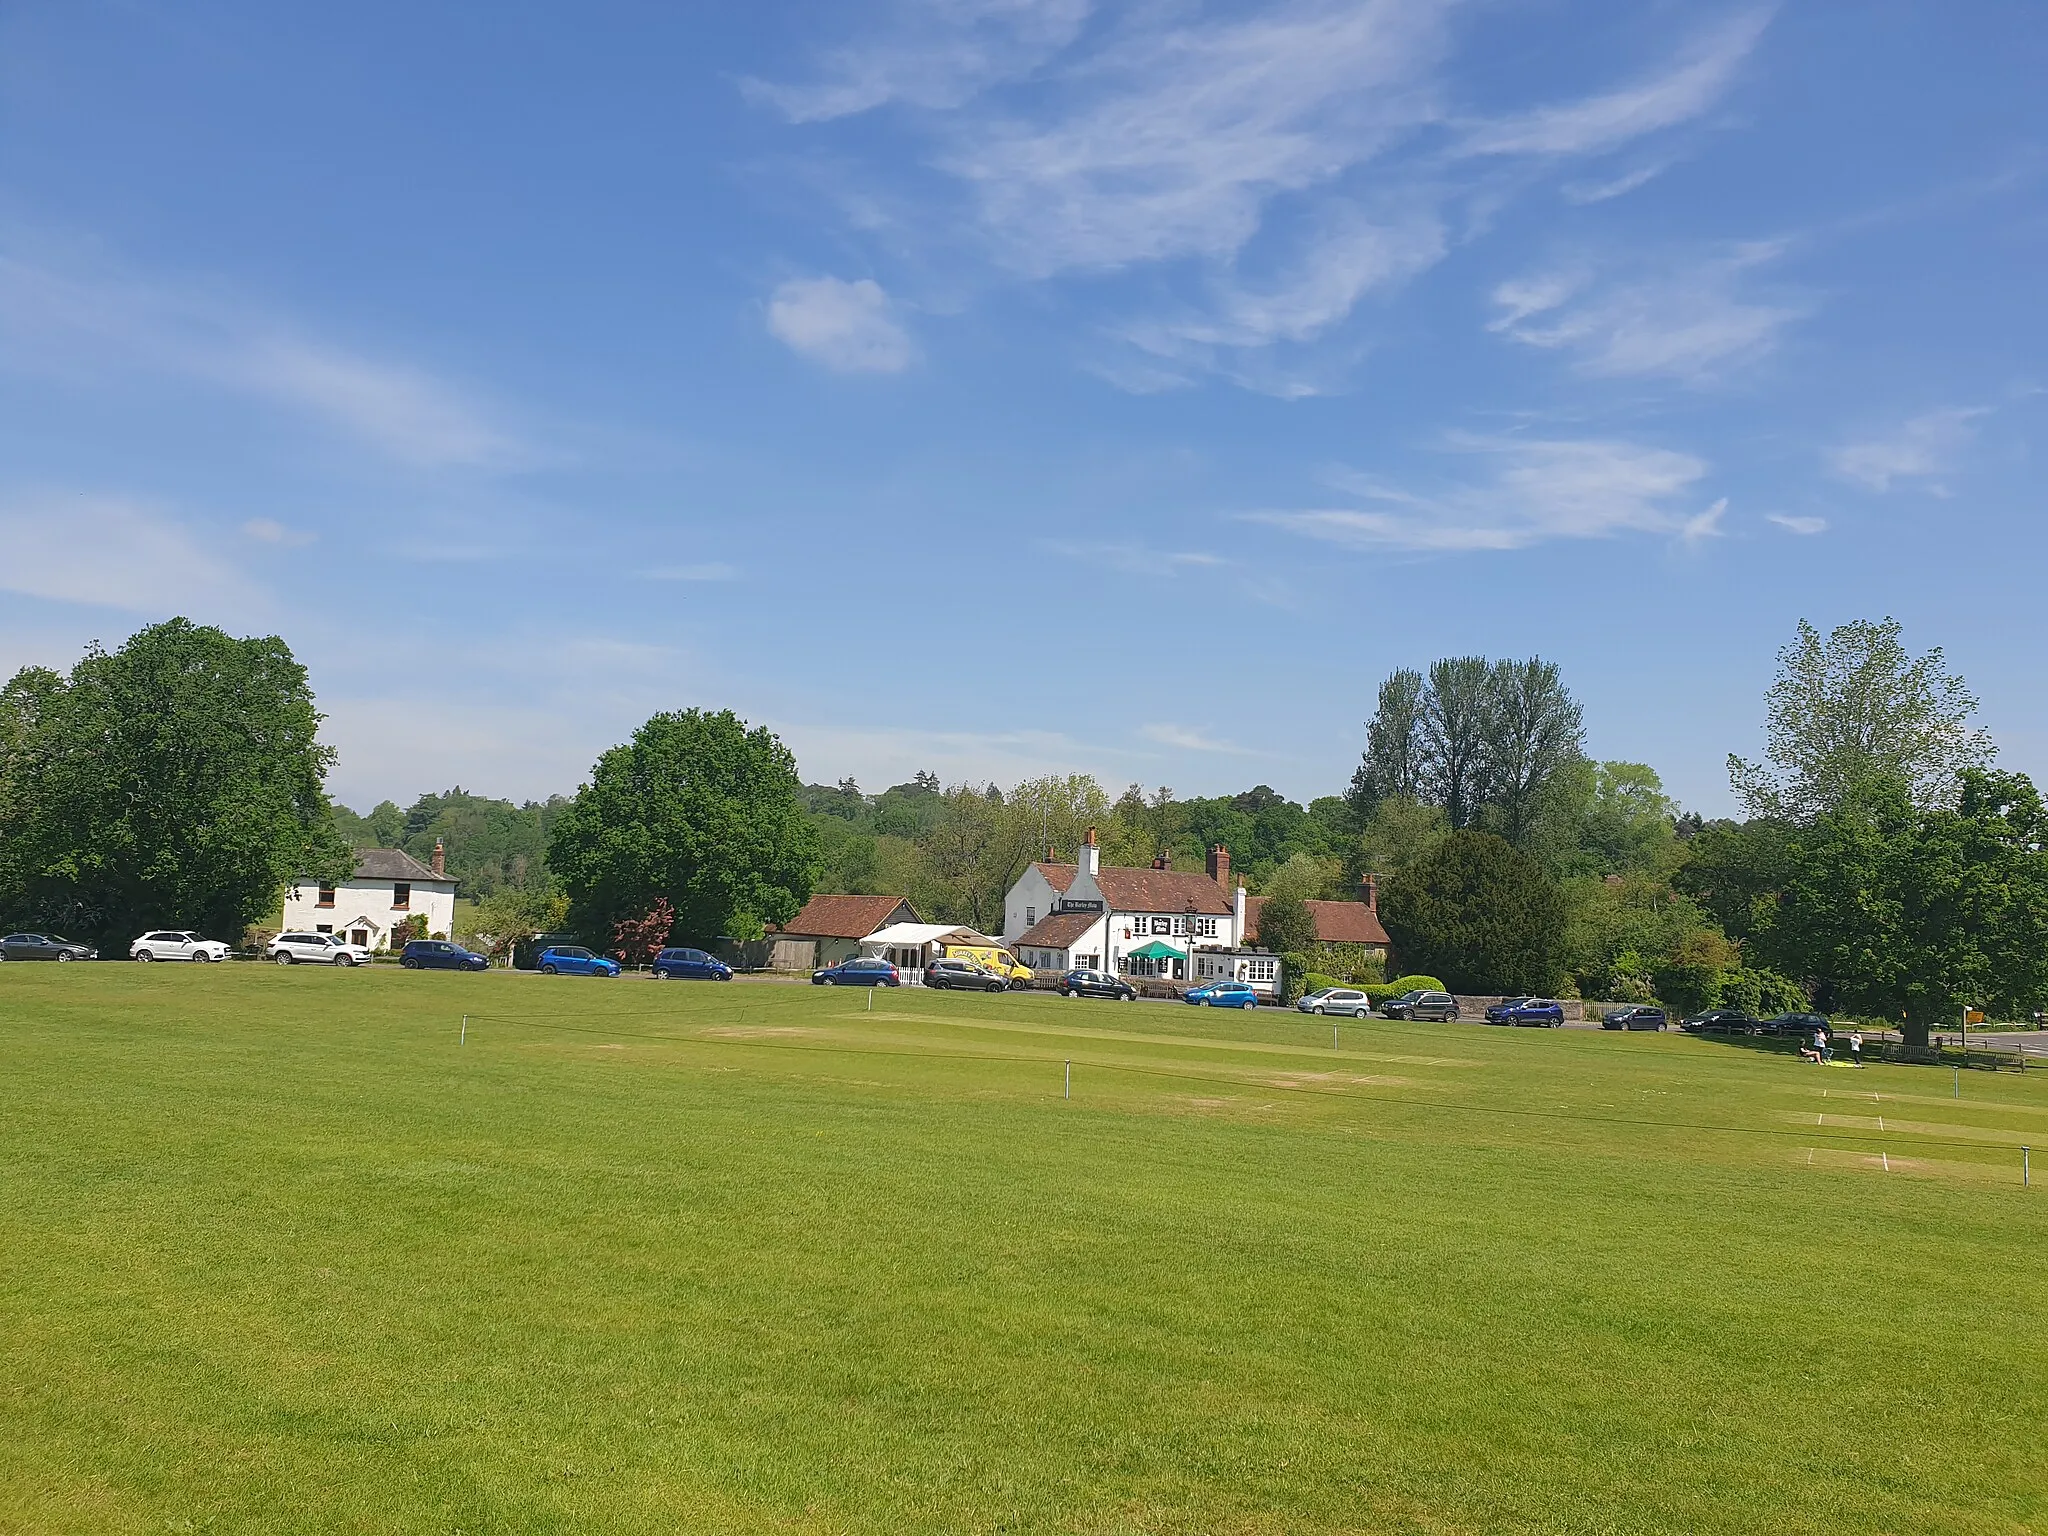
(690, 965)
(1223, 994)
(575, 960)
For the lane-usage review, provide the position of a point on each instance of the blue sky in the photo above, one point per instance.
(1006, 386)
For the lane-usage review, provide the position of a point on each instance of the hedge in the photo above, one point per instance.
(1380, 992)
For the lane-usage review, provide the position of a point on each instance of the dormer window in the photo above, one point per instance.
(401, 896)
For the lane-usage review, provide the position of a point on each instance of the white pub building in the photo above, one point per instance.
(1134, 922)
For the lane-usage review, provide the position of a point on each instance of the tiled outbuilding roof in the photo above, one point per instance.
(1060, 929)
(1337, 922)
(845, 917)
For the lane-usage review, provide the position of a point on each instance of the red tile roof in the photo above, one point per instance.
(844, 917)
(1060, 930)
(1337, 922)
(1148, 890)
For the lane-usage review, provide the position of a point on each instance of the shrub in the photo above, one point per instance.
(1761, 992)
(1380, 991)
(1317, 981)
(1293, 972)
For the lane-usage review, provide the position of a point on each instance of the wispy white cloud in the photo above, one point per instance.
(715, 570)
(1607, 189)
(113, 552)
(1348, 255)
(1923, 448)
(1277, 165)
(1674, 95)
(1194, 739)
(268, 530)
(848, 327)
(1806, 527)
(934, 54)
(1689, 322)
(1169, 141)
(1537, 491)
(88, 319)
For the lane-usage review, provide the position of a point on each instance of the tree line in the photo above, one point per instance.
(1884, 867)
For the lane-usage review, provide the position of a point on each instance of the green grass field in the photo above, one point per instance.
(278, 1253)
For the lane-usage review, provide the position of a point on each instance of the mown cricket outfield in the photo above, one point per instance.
(280, 1250)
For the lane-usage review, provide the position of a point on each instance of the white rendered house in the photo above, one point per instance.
(388, 887)
(1133, 922)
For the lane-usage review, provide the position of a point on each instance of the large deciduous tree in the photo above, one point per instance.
(1854, 709)
(1392, 766)
(1479, 913)
(1454, 728)
(1530, 730)
(1915, 913)
(178, 781)
(698, 809)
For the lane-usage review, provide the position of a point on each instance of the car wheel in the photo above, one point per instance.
(1317, 1010)
(661, 975)
(63, 957)
(828, 981)
(282, 957)
(995, 986)
(549, 970)
(143, 954)
(344, 959)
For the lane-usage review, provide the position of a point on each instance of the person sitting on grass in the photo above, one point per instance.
(1811, 1052)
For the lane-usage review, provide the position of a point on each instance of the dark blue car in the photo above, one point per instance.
(690, 965)
(861, 972)
(1223, 994)
(575, 960)
(1527, 1013)
(440, 955)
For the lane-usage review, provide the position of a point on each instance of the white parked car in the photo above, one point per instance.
(176, 944)
(315, 949)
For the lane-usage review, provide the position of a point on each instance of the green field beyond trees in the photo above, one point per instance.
(277, 1253)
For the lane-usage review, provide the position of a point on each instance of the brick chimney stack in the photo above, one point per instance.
(1091, 855)
(440, 860)
(1372, 893)
(1219, 865)
(1162, 861)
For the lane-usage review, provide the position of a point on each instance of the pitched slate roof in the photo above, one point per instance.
(395, 864)
(1337, 922)
(843, 917)
(1060, 930)
(1148, 890)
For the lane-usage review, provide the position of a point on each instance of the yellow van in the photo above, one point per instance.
(989, 957)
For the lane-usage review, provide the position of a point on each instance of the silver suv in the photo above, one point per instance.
(177, 944)
(315, 949)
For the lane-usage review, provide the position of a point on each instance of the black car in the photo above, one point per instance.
(963, 974)
(1801, 1025)
(1636, 1016)
(440, 955)
(1440, 1006)
(44, 946)
(1084, 983)
(1721, 1021)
